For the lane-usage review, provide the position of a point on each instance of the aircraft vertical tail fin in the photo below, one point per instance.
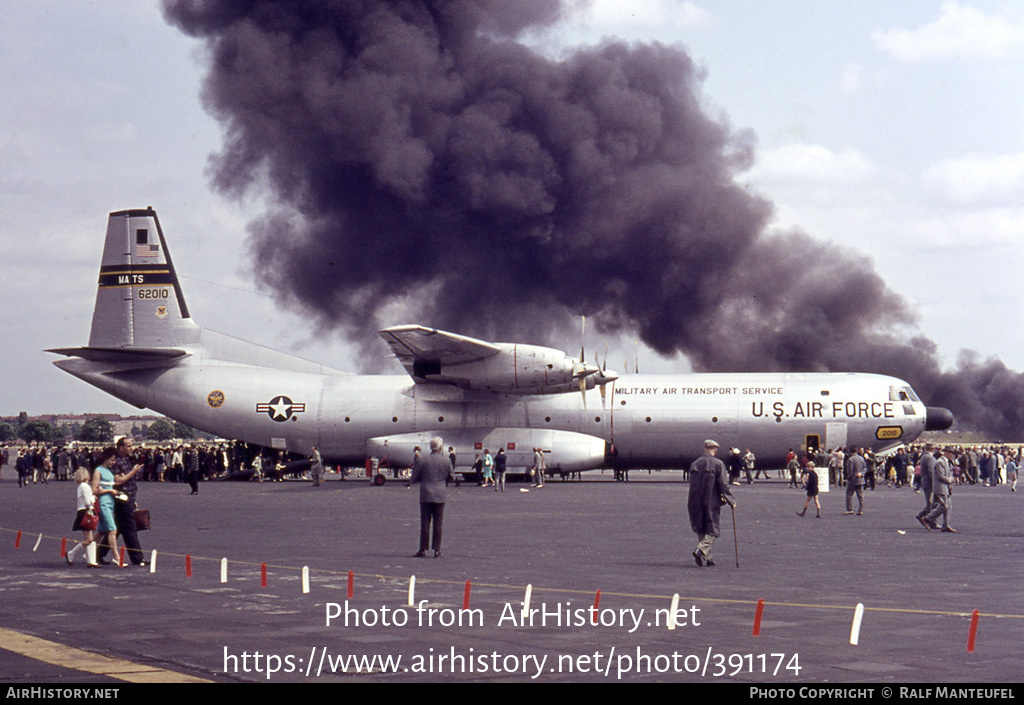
(139, 303)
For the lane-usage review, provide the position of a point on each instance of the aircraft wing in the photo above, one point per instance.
(438, 357)
(422, 351)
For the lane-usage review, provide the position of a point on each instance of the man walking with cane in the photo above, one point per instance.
(709, 489)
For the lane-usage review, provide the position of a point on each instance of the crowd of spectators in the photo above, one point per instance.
(186, 462)
(987, 465)
(38, 464)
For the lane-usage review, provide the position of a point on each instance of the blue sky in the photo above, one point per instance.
(893, 130)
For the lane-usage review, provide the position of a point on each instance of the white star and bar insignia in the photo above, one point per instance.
(280, 408)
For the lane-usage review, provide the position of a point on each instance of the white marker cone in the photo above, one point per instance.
(305, 580)
(526, 600)
(223, 570)
(152, 561)
(412, 590)
(38, 541)
(858, 615)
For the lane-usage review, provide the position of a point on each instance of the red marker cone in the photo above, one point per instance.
(757, 617)
(974, 631)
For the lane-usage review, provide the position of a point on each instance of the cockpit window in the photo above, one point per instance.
(903, 394)
(910, 394)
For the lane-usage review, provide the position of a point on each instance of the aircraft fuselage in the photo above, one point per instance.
(647, 421)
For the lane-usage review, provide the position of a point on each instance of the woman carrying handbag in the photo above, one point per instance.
(86, 520)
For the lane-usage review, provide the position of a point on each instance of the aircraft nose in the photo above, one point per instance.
(938, 419)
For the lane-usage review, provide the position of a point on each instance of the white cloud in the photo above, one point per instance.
(960, 31)
(797, 162)
(981, 230)
(842, 195)
(979, 180)
(838, 196)
(589, 21)
(641, 15)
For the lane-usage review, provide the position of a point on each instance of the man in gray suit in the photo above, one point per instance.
(927, 464)
(316, 469)
(942, 493)
(433, 474)
(856, 468)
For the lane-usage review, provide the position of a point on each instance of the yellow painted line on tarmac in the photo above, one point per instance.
(87, 661)
(577, 591)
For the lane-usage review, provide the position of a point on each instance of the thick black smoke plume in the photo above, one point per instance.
(425, 167)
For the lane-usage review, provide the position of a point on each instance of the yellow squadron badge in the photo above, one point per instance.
(215, 398)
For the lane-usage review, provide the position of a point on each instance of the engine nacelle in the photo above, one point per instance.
(431, 355)
(514, 369)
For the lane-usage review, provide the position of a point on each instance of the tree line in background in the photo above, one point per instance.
(95, 429)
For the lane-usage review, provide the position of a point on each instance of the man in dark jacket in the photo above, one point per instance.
(500, 465)
(191, 458)
(24, 467)
(432, 473)
(709, 487)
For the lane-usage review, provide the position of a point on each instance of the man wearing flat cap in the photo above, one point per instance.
(709, 489)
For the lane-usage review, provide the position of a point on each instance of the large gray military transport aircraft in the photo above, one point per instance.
(145, 349)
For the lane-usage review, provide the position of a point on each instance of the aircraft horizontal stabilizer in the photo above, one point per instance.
(117, 355)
